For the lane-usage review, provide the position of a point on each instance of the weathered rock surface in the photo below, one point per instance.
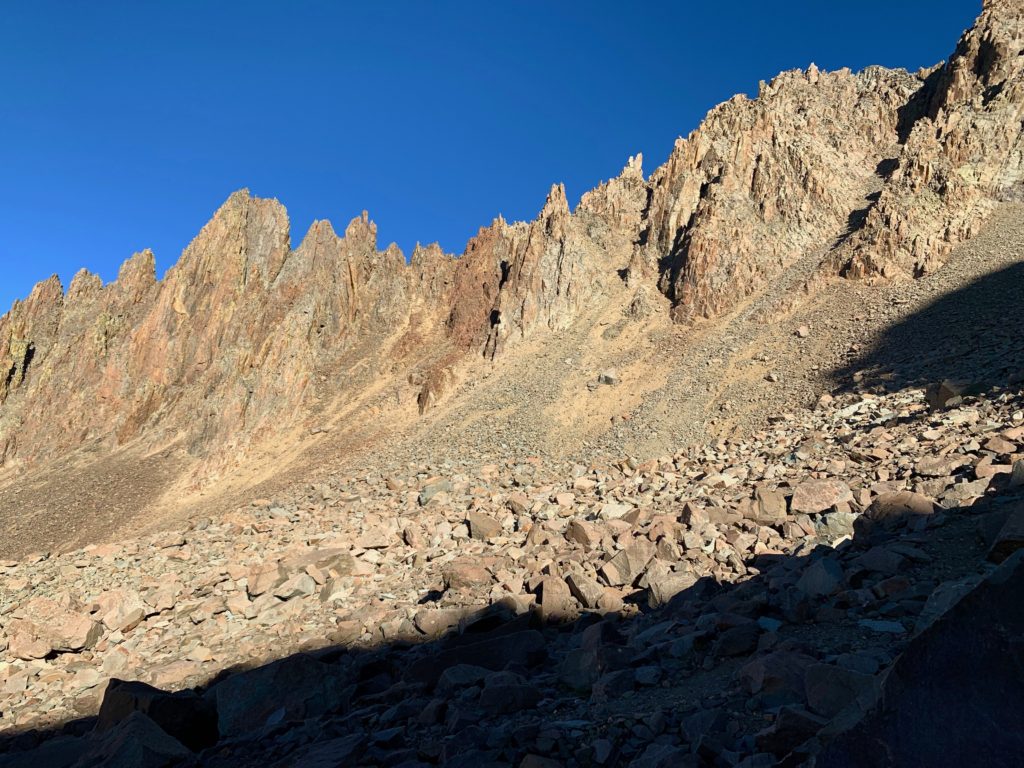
(963, 152)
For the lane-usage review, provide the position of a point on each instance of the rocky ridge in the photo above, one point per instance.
(247, 342)
(962, 155)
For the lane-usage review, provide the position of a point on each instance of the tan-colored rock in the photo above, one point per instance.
(265, 578)
(769, 506)
(299, 585)
(555, 600)
(466, 575)
(121, 609)
(60, 626)
(483, 527)
(814, 496)
(891, 507)
(585, 589)
(582, 532)
(627, 566)
(960, 155)
(940, 466)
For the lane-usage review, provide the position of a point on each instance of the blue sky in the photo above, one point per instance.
(124, 125)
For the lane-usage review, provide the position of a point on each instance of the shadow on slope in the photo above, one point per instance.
(721, 671)
(974, 336)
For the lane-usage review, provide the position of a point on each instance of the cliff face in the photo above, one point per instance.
(875, 173)
(962, 155)
(762, 182)
(218, 352)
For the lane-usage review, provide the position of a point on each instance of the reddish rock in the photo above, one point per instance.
(483, 527)
(890, 508)
(814, 496)
(466, 575)
(59, 626)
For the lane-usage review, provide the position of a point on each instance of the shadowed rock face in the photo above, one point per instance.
(966, 669)
(228, 349)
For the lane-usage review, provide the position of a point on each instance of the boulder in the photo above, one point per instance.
(296, 688)
(1010, 537)
(554, 600)
(466, 575)
(121, 609)
(891, 508)
(483, 527)
(432, 488)
(769, 506)
(821, 578)
(585, 589)
(830, 689)
(814, 496)
(628, 565)
(136, 742)
(265, 578)
(186, 716)
(43, 624)
(582, 532)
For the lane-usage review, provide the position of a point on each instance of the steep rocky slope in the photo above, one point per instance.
(248, 345)
(735, 604)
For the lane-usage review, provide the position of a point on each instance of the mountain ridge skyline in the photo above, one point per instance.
(100, 229)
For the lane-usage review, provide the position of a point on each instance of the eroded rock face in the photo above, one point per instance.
(964, 154)
(220, 349)
(514, 279)
(765, 181)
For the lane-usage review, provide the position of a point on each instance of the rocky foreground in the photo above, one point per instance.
(741, 604)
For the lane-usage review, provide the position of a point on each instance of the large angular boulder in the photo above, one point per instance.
(136, 742)
(628, 564)
(43, 625)
(296, 688)
(1010, 537)
(121, 609)
(185, 715)
(814, 496)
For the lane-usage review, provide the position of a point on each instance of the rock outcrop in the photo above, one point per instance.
(763, 182)
(963, 153)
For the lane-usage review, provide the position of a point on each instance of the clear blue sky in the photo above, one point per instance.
(123, 125)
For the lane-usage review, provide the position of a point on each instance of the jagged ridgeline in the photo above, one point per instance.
(875, 174)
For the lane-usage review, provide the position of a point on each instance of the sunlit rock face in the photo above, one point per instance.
(962, 155)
